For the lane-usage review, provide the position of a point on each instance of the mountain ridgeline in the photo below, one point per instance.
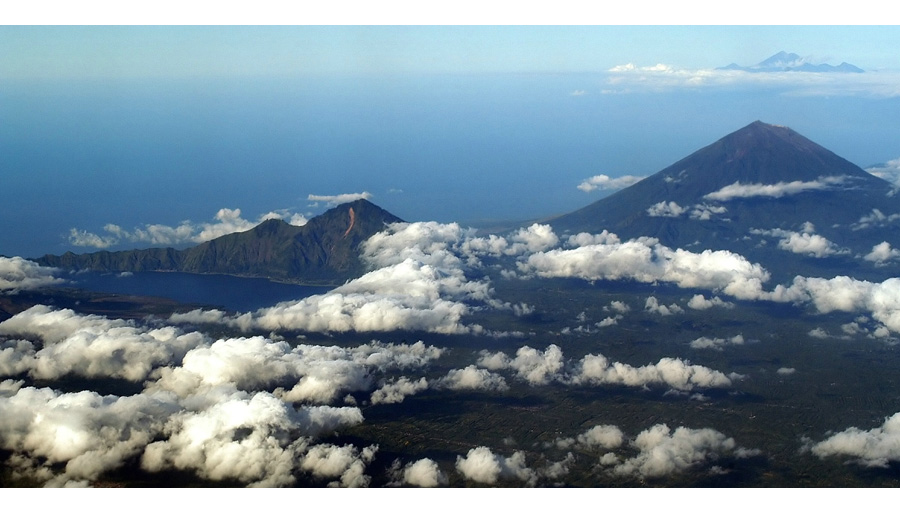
(784, 61)
(748, 192)
(323, 251)
(764, 191)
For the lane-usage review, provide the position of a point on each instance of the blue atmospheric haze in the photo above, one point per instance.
(445, 147)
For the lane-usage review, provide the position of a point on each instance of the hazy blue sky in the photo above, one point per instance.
(138, 125)
(75, 52)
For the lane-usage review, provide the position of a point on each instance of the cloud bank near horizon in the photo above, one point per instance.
(661, 78)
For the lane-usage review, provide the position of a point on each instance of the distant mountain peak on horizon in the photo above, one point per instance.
(785, 61)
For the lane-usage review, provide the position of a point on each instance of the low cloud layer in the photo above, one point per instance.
(805, 242)
(699, 302)
(717, 344)
(420, 281)
(89, 346)
(645, 260)
(842, 293)
(254, 439)
(481, 465)
(599, 437)
(543, 367)
(627, 78)
(877, 447)
(16, 273)
(662, 451)
(473, 378)
(225, 410)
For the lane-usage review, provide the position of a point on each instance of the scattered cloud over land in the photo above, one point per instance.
(602, 436)
(699, 302)
(473, 378)
(698, 212)
(652, 306)
(663, 209)
(663, 451)
(645, 260)
(875, 220)
(483, 466)
(89, 346)
(716, 343)
(804, 242)
(538, 368)
(219, 409)
(423, 473)
(877, 447)
(90, 434)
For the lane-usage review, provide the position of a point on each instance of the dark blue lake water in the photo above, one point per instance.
(228, 292)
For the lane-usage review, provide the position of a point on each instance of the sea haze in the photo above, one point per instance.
(465, 148)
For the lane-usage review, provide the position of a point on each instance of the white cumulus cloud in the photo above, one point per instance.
(672, 372)
(16, 273)
(805, 242)
(876, 447)
(473, 378)
(716, 343)
(424, 473)
(605, 182)
(337, 199)
(647, 261)
(882, 253)
(699, 302)
(663, 451)
(664, 209)
(396, 391)
(776, 190)
(483, 466)
(91, 346)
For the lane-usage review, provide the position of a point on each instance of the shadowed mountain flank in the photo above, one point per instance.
(746, 192)
(324, 250)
